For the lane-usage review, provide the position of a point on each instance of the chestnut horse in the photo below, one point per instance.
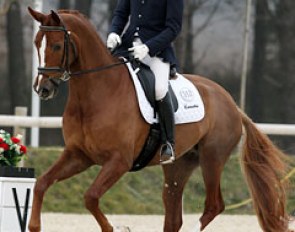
(102, 125)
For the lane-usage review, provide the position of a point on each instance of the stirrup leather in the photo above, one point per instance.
(171, 157)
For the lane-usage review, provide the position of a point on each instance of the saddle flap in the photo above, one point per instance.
(147, 80)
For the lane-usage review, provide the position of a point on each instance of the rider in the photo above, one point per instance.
(148, 27)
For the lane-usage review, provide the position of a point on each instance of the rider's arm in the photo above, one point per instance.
(120, 17)
(174, 12)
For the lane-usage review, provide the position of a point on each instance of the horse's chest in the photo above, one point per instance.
(97, 135)
(95, 142)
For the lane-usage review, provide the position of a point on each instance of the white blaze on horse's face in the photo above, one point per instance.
(41, 52)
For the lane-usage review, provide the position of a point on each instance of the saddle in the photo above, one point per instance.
(187, 104)
(147, 81)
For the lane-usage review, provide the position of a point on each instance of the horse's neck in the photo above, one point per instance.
(93, 53)
(95, 88)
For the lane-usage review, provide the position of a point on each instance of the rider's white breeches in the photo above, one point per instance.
(161, 71)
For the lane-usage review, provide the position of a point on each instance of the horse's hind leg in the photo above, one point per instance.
(213, 157)
(66, 166)
(176, 176)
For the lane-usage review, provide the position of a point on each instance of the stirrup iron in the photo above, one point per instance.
(171, 159)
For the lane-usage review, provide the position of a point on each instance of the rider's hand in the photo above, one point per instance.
(139, 51)
(113, 41)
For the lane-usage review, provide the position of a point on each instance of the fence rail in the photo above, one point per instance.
(277, 129)
(27, 122)
(56, 122)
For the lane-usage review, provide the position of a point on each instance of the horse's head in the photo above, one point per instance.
(56, 50)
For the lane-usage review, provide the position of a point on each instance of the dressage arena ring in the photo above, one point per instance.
(53, 222)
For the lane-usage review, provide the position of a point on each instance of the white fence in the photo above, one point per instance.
(26, 121)
(56, 122)
(277, 129)
(21, 122)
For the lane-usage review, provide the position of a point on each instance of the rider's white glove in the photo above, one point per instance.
(139, 51)
(113, 41)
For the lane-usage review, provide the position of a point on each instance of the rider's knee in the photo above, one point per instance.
(161, 92)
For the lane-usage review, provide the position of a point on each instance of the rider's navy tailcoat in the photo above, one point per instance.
(157, 23)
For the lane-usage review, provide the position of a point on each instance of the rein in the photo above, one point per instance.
(98, 69)
(64, 68)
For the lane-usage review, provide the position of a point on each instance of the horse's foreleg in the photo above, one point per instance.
(110, 173)
(176, 176)
(68, 165)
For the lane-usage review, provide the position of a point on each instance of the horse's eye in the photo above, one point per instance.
(56, 47)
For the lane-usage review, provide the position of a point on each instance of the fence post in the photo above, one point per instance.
(20, 111)
(245, 55)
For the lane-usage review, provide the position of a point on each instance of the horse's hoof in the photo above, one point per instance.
(121, 229)
(197, 228)
(34, 228)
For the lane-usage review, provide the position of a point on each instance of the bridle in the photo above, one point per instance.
(64, 68)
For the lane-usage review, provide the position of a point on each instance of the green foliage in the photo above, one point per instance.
(141, 192)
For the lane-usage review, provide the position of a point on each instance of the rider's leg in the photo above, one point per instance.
(165, 108)
(166, 115)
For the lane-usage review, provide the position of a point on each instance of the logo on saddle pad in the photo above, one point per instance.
(187, 94)
(190, 105)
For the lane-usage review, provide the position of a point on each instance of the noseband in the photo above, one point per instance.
(64, 68)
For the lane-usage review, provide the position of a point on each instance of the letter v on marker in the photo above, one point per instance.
(22, 221)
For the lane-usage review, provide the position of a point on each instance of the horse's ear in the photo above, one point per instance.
(55, 17)
(37, 15)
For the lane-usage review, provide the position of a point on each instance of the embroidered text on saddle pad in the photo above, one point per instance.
(190, 104)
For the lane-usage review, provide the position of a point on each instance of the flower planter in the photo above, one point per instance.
(16, 194)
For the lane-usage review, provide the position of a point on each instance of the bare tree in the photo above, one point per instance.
(184, 45)
(64, 4)
(271, 84)
(256, 82)
(286, 34)
(84, 6)
(286, 68)
(273, 64)
(17, 83)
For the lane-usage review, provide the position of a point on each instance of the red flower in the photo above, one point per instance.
(15, 140)
(23, 149)
(4, 146)
(1, 140)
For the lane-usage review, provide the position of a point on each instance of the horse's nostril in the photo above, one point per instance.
(44, 93)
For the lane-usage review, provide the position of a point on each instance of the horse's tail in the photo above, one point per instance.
(264, 165)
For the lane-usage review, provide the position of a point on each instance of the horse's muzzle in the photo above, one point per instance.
(48, 89)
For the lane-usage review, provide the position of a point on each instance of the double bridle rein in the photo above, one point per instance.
(64, 68)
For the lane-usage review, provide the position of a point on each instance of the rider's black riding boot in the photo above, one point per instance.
(166, 118)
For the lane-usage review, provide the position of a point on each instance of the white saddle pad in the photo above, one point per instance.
(190, 104)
